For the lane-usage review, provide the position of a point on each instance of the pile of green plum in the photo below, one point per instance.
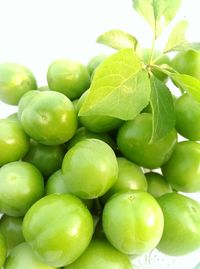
(81, 192)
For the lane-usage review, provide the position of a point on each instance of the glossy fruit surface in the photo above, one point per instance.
(100, 254)
(187, 62)
(188, 117)
(181, 233)
(14, 143)
(82, 133)
(68, 77)
(90, 168)
(130, 177)
(3, 250)
(15, 80)
(22, 256)
(182, 169)
(21, 185)
(56, 183)
(59, 228)
(97, 123)
(11, 228)
(133, 140)
(133, 222)
(47, 159)
(25, 100)
(157, 185)
(50, 118)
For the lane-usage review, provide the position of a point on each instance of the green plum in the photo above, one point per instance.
(90, 168)
(133, 222)
(95, 62)
(181, 233)
(69, 77)
(3, 250)
(59, 228)
(15, 81)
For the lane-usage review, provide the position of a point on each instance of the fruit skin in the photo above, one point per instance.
(15, 80)
(188, 117)
(11, 228)
(157, 185)
(3, 250)
(161, 59)
(68, 77)
(181, 233)
(21, 185)
(59, 228)
(22, 256)
(100, 254)
(82, 133)
(133, 141)
(56, 184)
(130, 177)
(182, 169)
(133, 222)
(90, 168)
(95, 62)
(14, 143)
(97, 123)
(187, 62)
(47, 110)
(25, 100)
(47, 159)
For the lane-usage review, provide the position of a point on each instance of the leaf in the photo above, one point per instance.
(158, 13)
(162, 106)
(117, 39)
(186, 46)
(120, 87)
(188, 83)
(177, 37)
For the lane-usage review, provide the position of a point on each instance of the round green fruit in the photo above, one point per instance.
(82, 133)
(130, 177)
(133, 141)
(21, 185)
(188, 117)
(133, 222)
(68, 77)
(11, 228)
(181, 233)
(182, 169)
(157, 185)
(14, 143)
(100, 254)
(49, 118)
(59, 228)
(90, 168)
(25, 100)
(187, 62)
(47, 159)
(15, 80)
(22, 256)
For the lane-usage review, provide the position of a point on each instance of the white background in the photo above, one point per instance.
(36, 32)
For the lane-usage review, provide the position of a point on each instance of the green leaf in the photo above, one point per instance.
(162, 106)
(177, 40)
(117, 39)
(188, 83)
(120, 87)
(158, 13)
(177, 37)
